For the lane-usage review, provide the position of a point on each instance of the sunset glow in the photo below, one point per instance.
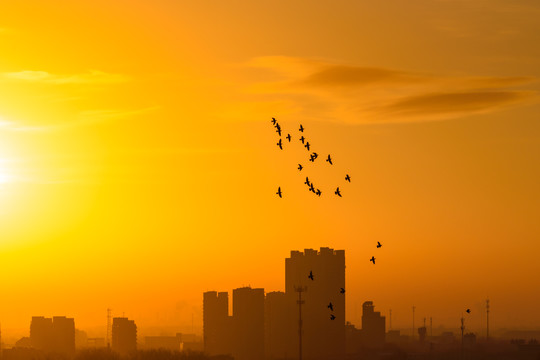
(139, 166)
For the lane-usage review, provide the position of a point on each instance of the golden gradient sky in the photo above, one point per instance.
(138, 164)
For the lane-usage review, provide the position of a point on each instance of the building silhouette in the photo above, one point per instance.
(248, 323)
(124, 335)
(267, 326)
(56, 335)
(281, 326)
(217, 325)
(373, 326)
(322, 338)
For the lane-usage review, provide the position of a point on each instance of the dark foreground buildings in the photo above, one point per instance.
(267, 326)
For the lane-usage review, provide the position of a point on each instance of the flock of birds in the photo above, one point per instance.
(311, 187)
(312, 157)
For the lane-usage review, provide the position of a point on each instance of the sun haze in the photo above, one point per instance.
(139, 166)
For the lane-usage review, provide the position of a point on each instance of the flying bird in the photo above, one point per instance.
(279, 144)
(311, 158)
(302, 139)
(307, 146)
(331, 307)
(329, 159)
(372, 259)
(348, 178)
(288, 137)
(300, 167)
(273, 121)
(315, 155)
(342, 291)
(310, 275)
(468, 311)
(279, 191)
(318, 192)
(278, 130)
(301, 128)
(337, 192)
(307, 181)
(311, 188)
(332, 317)
(378, 245)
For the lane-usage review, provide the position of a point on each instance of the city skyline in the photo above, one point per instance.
(139, 166)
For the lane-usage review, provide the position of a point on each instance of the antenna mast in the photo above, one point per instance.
(300, 290)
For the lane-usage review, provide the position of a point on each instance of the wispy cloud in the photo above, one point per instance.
(83, 118)
(359, 94)
(90, 77)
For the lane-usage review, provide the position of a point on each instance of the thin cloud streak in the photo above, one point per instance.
(358, 94)
(91, 77)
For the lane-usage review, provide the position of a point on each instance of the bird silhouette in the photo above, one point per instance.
(348, 178)
(279, 144)
(303, 139)
(331, 307)
(307, 146)
(311, 188)
(329, 159)
(279, 191)
(318, 192)
(307, 181)
(332, 317)
(273, 121)
(301, 128)
(310, 275)
(378, 245)
(288, 137)
(311, 158)
(278, 130)
(337, 192)
(372, 259)
(300, 167)
(315, 155)
(342, 291)
(468, 311)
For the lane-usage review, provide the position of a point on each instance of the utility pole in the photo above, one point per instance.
(300, 290)
(413, 309)
(462, 331)
(109, 327)
(487, 319)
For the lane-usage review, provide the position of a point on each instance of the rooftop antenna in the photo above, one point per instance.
(300, 290)
(487, 319)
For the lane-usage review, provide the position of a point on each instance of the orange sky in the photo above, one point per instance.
(138, 165)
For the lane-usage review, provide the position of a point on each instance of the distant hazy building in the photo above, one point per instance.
(162, 342)
(63, 335)
(41, 333)
(248, 322)
(216, 323)
(373, 326)
(124, 335)
(53, 335)
(322, 338)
